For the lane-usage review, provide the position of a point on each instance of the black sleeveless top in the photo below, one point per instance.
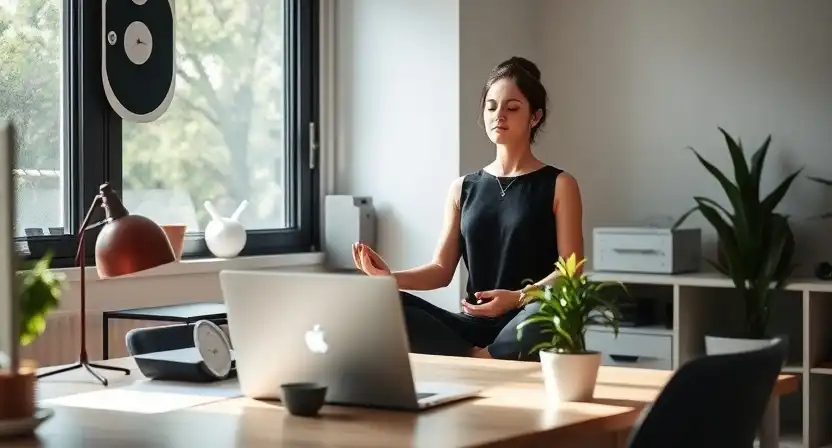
(507, 228)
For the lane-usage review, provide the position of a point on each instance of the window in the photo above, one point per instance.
(238, 128)
(31, 94)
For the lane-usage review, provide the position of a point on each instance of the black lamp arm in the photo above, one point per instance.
(96, 202)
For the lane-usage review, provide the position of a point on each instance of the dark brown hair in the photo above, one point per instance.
(525, 74)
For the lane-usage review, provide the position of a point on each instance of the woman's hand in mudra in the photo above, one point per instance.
(492, 303)
(368, 261)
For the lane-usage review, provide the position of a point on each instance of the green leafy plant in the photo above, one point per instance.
(40, 292)
(567, 307)
(756, 244)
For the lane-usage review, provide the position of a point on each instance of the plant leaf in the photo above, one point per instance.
(757, 163)
(770, 202)
(531, 320)
(741, 173)
(714, 204)
(820, 180)
(568, 339)
(726, 235)
(541, 346)
(684, 217)
(39, 293)
(729, 187)
(734, 196)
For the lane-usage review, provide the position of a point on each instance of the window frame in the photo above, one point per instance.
(93, 137)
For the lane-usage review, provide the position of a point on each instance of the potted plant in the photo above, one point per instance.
(567, 307)
(40, 290)
(755, 243)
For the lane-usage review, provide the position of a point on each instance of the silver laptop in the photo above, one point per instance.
(342, 330)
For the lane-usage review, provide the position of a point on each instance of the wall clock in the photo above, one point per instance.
(138, 63)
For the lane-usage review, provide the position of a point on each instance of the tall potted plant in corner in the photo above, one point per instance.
(756, 244)
(40, 291)
(567, 307)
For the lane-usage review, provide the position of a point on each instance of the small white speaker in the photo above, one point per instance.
(138, 62)
(347, 220)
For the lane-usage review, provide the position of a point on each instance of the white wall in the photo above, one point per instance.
(491, 31)
(633, 83)
(409, 75)
(398, 119)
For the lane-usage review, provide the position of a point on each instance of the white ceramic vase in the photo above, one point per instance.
(570, 377)
(225, 237)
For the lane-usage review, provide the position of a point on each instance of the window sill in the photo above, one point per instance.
(206, 265)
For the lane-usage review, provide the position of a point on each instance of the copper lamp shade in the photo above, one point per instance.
(128, 243)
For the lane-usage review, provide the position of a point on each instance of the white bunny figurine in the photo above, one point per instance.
(225, 237)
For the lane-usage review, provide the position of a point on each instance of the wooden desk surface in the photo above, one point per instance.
(512, 411)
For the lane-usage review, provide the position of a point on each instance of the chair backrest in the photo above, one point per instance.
(713, 401)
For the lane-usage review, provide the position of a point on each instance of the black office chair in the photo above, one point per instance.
(713, 401)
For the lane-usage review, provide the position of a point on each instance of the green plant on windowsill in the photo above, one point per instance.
(566, 309)
(40, 291)
(756, 245)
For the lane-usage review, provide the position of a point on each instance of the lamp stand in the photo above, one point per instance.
(83, 359)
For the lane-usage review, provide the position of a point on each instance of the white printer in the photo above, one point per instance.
(655, 250)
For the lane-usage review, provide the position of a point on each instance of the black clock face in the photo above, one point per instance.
(139, 50)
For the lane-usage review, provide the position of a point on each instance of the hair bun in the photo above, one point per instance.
(522, 63)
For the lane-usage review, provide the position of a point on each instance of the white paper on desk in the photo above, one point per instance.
(151, 396)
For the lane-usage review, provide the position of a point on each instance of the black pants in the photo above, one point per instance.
(435, 331)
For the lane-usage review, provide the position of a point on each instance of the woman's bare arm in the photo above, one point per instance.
(568, 209)
(439, 272)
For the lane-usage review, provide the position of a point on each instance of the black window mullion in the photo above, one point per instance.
(71, 141)
(294, 129)
(310, 113)
(95, 117)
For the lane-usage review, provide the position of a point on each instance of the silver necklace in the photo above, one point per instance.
(503, 190)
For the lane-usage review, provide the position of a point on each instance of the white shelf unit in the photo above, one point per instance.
(707, 302)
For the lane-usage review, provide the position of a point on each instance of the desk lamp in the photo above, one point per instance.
(126, 244)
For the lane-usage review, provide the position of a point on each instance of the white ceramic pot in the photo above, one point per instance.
(570, 377)
(719, 345)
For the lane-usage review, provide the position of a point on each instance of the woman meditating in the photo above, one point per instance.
(508, 221)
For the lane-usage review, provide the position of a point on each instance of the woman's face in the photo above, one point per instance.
(507, 114)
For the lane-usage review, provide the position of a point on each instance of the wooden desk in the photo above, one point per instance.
(513, 411)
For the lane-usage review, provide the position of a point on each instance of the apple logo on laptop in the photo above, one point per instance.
(315, 340)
